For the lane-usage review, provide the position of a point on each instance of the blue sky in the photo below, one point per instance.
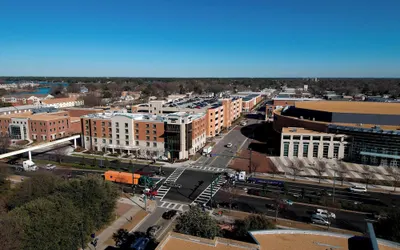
(182, 38)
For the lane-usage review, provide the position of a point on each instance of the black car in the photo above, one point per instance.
(169, 214)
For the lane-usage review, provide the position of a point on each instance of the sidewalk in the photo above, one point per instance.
(128, 220)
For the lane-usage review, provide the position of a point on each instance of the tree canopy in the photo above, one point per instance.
(197, 223)
(54, 213)
(252, 222)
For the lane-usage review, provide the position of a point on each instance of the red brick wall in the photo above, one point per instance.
(81, 112)
(4, 122)
(48, 128)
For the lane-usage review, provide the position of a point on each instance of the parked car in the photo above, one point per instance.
(358, 189)
(325, 213)
(169, 214)
(153, 230)
(229, 145)
(319, 220)
(50, 167)
(172, 184)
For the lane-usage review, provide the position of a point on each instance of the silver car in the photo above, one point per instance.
(316, 219)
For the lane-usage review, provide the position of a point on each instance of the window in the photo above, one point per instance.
(147, 125)
(126, 131)
(326, 150)
(109, 124)
(117, 136)
(296, 149)
(154, 132)
(306, 137)
(337, 138)
(155, 144)
(148, 144)
(147, 138)
(327, 138)
(95, 139)
(117, 142)
(336, 150)
(117, 124)
(286, 137)
(126, 137)
(126, 125)
(147, 132)
(316, 138)
(137, 137)
(305, 149)
(296, 137)
(137, 131)
(286, 149)
(104, 140)
(110, 141)
(117, 131)
(126, 143)
(154, 138)
(154, 125)
(137, 143)
(315, 149)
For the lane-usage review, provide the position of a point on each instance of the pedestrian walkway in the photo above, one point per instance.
(210, 191)
(163, 190)
(207, 169)
(174, 206)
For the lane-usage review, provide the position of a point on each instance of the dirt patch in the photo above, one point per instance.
(260, 163)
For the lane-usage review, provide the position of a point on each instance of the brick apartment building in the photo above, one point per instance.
(175, 135)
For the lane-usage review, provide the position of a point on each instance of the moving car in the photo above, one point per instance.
(316, 219)
(169, 214)
(287, 202)
(325, 214)
(50, 167)
(153, 230)
(243, 123)
(358, 189)
(172, 184)
(229, 145)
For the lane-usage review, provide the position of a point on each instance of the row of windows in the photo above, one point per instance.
(314, 138)
(325, 152)
(44, 130)
(126, 142)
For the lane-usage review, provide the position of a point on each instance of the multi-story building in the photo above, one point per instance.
(175, 135)
(39, 127)
(232, 110)
(281, 102)
(215, 120)
(62, 102)
(250, 101)
(362, 132)
(185, 134)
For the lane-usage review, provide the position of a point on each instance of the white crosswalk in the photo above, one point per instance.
(163, 190)
(174, 206)
(208, 169)
(206, 195)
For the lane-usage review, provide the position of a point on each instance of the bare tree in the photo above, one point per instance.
(295, 168)
(341, 171)
(395, 174)
(5, 142)
(254, 166)
(320, 167)
(60, 154)
(367, 175)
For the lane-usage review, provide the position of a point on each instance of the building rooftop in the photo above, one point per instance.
(59, 100)
(295, 130)
(176, 241)
(352, 107)
(311, 240)
(15, 108)
(44, 117)
(134, 116)
(249, 97)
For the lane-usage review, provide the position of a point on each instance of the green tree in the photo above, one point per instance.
(94, 162)
(51, 223)
(39, 185)
(389, 228)
(106, 163)
(11, 232)
(83, 161)
(252, 222)
(197, 223)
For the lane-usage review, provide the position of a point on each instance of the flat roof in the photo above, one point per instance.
(59, 100)
(46, 117)
(296, 130)
(14, 108)
(308, 239)
(352, 107)
(176, 241)
(17, 115)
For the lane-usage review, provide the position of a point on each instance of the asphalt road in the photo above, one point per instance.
(341, 194)
(223, 155)
(193, 183)
(297, 212)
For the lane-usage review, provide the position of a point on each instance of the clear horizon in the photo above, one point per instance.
(201, 39)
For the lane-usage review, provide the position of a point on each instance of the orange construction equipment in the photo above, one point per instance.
(122, 177)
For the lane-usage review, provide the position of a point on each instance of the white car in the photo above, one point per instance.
(50, 166)
(316, 219)
(325, 214)
(229, 145)
(358, 189)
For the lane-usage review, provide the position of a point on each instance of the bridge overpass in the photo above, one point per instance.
(44, 145)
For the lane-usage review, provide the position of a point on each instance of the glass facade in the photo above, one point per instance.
(286, 149)
(296, 149)
(305, 149)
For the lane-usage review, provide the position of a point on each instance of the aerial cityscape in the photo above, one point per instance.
(200, 125)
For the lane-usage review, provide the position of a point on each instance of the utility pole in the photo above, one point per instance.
(250, 160)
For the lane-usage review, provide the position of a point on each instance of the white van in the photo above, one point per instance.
(358, 189)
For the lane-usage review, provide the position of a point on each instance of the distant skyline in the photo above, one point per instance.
(209, 38)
